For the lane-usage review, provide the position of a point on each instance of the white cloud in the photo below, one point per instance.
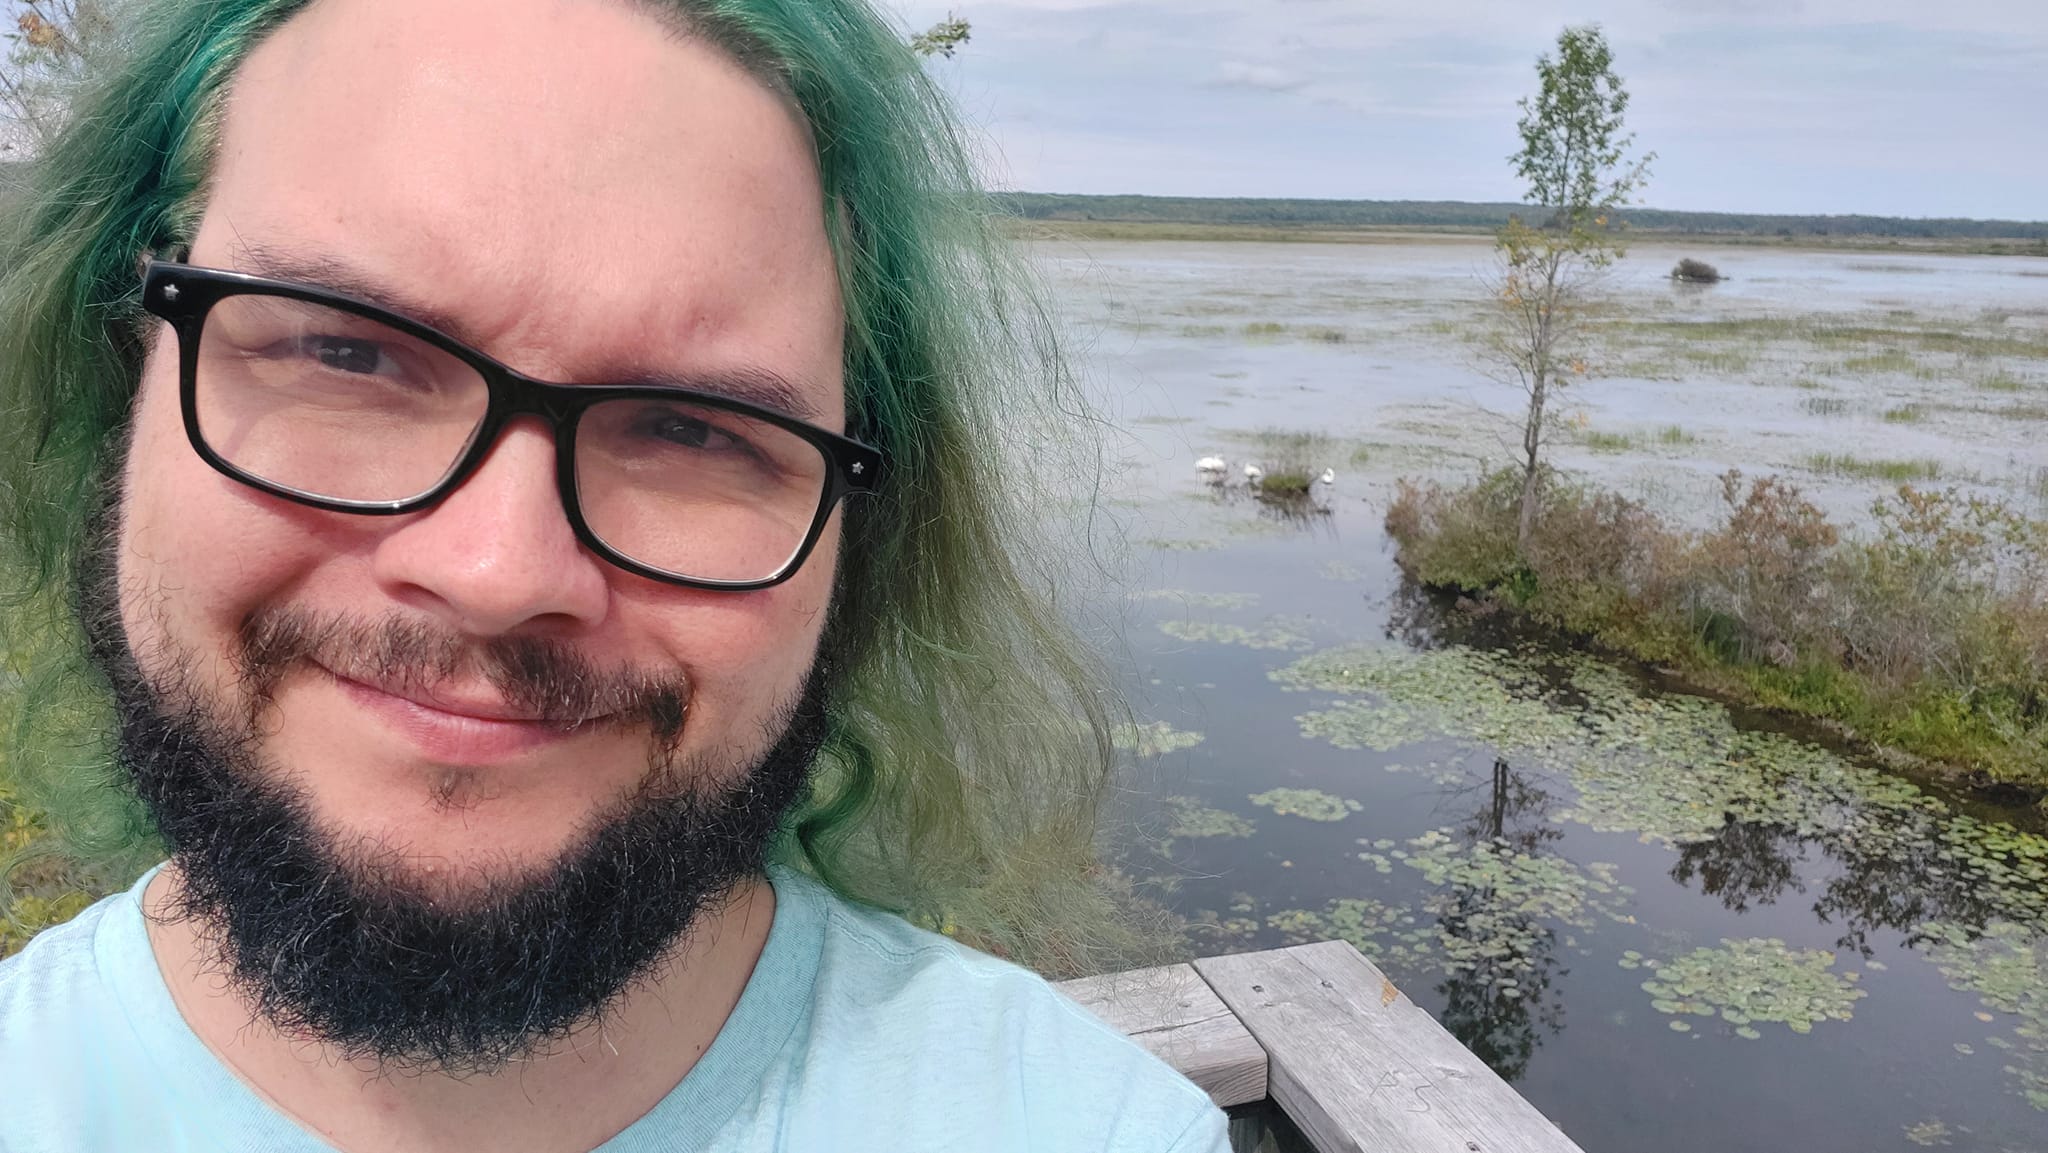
(1238, 74)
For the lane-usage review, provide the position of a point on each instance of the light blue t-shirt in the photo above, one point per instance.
(856, 1031)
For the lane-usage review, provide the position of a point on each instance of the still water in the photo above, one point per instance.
(1671, 925)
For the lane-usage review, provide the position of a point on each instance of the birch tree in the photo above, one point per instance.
(1574, 161)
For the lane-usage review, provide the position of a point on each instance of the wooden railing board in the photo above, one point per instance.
(1174, 1013)
(1357, 1066)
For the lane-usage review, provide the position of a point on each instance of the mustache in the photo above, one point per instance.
(544, 678)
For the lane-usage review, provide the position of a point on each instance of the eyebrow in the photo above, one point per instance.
(750, 384)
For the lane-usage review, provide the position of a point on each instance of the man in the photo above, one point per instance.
(524, 466)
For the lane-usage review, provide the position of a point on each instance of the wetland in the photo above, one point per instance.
(1671, 921)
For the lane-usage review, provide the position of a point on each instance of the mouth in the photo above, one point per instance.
(458, 728)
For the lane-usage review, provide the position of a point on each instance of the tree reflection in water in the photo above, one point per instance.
(1745, 863)
(1895, 868)
(1497, 993)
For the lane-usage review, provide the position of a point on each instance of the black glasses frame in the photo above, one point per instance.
(183, 294)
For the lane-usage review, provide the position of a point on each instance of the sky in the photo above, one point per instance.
(1890, 107)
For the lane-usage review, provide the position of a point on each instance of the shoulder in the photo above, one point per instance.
(52, 977)
(64, 1039)
(920, 1011)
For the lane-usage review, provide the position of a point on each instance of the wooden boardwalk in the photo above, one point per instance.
(1329, 1039)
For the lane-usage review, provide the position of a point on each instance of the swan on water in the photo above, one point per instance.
(1210, 464)
(1329, 476)
(1254, 473)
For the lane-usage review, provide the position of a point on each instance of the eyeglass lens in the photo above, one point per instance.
(343, 407)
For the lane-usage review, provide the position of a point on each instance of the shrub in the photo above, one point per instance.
(1764, 570)
(1292, 461)
(1690, 271)
(1930, 634)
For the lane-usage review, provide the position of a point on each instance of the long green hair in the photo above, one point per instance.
(970, 750)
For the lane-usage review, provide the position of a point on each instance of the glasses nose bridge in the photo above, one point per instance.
(514, 394)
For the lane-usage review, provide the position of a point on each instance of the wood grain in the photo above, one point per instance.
(1172, 1012)
(1357, 1066)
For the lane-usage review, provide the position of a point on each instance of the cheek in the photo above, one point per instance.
(196, 550)
(748, 654)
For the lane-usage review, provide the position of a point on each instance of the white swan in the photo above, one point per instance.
(1329, 476)
(1254, 473)
(1211, 464)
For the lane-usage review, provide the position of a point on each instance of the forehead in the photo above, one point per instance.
(593, 196)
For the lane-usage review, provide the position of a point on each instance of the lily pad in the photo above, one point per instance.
(1195, 600)
(1188, 817)
(1154, 739)
(1754, 980)
(1313, 804)
(1271, 636)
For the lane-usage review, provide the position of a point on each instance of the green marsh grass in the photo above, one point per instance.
(1889, 362)
(1905, 414)
(1609, 441)
(1859, 468)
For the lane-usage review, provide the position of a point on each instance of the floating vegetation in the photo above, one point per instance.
(1314, 804)
(1741, 807)
(1609, 441)
(2007, 967)
(1459, 693)
(1183, 544)
(1271, 636)
(1188, 817)
(1523, 884)
(1930, 1132)
(1753, 980)
(1336, 570)
(1825, 405)
(1488, 924)
(1395, 937)
(1905, 414)
(1195, 600)
(1155, 739)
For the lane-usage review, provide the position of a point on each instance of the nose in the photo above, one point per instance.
(497, 555)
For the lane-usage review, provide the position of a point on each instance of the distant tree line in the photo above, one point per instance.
(1339, 214)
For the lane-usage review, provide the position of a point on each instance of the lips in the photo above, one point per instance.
(458, 729)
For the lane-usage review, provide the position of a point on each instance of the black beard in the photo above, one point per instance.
(335, 943)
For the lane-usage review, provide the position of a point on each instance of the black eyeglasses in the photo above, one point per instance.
(333, 402)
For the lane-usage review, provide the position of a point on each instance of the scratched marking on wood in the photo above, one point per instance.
(1174, 1013)
(1359, 1067)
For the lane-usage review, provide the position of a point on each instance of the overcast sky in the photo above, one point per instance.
(1897, 107)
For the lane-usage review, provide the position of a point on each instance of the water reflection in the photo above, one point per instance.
(1497, 998)
(1745, 863)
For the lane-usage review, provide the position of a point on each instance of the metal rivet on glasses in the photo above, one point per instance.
(859, 468)
(170, 292)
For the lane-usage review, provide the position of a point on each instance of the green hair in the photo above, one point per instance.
(970, 752)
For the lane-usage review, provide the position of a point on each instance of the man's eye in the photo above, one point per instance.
(348, 354)
(691, 433)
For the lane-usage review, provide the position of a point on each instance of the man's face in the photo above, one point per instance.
(592, 199)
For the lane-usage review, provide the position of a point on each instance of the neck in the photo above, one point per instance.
(574, 1096)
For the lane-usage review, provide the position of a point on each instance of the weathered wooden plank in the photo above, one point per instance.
(1173, 1012)
(1358, 1067)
